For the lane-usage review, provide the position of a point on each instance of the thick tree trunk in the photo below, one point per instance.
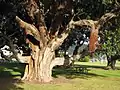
(38, 67)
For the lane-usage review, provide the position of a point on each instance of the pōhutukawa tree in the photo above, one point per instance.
(45, 36)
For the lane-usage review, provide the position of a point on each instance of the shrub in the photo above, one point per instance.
(85, 59)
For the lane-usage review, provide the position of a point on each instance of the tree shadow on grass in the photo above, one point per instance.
(82, 72)
(10, 74)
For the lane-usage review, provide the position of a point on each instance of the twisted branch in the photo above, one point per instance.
(29, 28)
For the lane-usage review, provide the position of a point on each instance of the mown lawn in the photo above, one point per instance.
(97, 78)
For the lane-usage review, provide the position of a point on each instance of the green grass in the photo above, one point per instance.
(79, 84)
(65, 79)
(98, 69)
(96, 63)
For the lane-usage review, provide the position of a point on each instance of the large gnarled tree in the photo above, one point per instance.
(44, 40)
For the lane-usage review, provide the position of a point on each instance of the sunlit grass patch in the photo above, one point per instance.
(97, 78)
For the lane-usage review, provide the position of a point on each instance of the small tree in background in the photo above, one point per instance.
(111, 45)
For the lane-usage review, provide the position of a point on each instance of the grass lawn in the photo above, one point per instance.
(96, 79)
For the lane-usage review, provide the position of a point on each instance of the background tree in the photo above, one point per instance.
(10, 33)
(111, 45)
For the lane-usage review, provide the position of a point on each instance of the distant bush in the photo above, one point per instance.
(85, 59)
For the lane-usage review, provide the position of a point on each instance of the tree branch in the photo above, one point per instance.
(29, 28)
(56, 42)
(84, 22)
(106, 17)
